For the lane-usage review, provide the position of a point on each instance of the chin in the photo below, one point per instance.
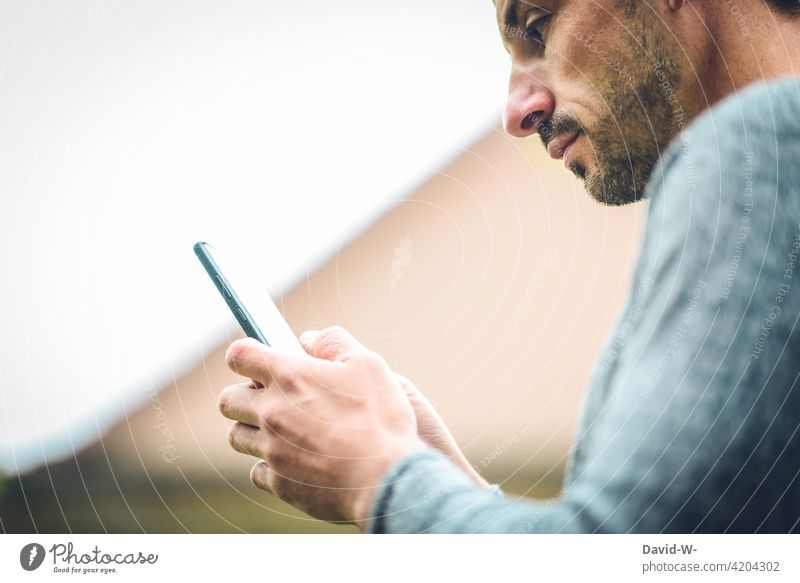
(612, 191)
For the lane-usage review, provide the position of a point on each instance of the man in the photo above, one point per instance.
(690, 422)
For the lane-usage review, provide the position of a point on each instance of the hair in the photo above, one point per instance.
(785, 7)
(789, 7)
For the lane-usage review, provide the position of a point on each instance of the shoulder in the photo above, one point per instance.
(740, 158)
(756, 129)
(724, 203)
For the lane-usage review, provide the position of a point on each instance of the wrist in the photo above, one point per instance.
(477, 478)
(463, 464)
(362, 502)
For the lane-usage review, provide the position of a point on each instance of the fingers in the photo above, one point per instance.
(240, 403)
(261, 363)
(260, 476)
(247, 439)
(307, 340)
(334, 343)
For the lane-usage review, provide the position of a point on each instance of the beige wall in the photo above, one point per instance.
(491, 287)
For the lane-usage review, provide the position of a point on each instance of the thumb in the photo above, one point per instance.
(334, 343)
(249, 358)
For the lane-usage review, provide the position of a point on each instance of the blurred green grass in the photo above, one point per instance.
(86, 496)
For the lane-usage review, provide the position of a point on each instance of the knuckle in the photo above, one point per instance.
(371, 360)
(276, 454)
(286, 376)
(329, 337)
(335, 330)
(266, 450)
(271, 418)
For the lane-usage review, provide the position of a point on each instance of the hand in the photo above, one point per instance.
(433, 431)
(327, 426)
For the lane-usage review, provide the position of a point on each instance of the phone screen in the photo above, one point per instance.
(249, 301)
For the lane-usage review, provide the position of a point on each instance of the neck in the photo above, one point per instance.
(749, 44)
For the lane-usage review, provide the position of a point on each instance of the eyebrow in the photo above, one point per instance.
(510, 18)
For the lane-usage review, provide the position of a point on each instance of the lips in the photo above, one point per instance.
(559, 146)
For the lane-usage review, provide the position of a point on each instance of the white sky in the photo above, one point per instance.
(128, 130)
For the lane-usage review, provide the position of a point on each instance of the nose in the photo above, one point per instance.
(530, 103)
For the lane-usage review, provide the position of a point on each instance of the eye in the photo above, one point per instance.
(535, 29)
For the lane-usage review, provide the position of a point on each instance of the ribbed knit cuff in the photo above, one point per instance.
(413, 490)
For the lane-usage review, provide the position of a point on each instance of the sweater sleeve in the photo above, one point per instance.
(426, 492)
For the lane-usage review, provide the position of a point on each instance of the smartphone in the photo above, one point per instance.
(255, 311)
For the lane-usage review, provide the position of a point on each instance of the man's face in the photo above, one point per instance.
(597, 81)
